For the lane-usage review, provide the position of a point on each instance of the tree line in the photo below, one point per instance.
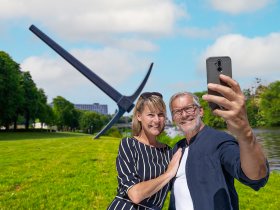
(22, 102)
(262, 104)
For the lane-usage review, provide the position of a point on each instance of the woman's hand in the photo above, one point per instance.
(145, 189)
(174, 163)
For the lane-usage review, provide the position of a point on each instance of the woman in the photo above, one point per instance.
(144, 165)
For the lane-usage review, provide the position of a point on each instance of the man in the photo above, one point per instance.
(212, 159)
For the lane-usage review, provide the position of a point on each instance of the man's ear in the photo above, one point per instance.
(201, 112)
(173, 120)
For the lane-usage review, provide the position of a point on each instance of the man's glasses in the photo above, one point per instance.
(146, 95)
(188, 109)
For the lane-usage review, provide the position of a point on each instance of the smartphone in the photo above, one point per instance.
(214, 67)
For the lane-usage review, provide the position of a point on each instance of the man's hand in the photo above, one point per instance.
(253, 161)
(234, 112)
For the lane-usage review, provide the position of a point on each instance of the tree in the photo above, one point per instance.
(209, 118)
(253, 95)
(253, 112)
(45, 113)
(91, 122)
(66, 116)
(31, 103)
(270, 104)
(10, 90)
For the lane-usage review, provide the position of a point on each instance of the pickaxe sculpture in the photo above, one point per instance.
(125, 103)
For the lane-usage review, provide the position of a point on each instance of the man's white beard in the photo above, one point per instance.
(195, 127)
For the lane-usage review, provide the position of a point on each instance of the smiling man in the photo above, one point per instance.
(212, 159)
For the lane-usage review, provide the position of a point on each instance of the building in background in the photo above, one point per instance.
(96, 107)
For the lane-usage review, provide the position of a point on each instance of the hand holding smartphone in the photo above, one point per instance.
(216, 66)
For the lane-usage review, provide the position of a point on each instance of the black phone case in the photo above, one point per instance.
(216, 66)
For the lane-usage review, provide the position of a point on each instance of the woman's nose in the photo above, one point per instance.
(156, 118)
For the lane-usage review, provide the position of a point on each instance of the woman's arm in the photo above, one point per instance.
(145, 189)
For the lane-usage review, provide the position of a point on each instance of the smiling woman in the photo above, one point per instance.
(145, 166)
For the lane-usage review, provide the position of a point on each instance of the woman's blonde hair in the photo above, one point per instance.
(153, 101)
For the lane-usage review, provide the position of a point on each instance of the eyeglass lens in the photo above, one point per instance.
(188, 109)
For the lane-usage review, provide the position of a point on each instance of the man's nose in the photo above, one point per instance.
(185, 113)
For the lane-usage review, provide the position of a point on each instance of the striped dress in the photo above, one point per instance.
(137, 162)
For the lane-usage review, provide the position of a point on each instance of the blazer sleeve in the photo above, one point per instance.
(230, 159)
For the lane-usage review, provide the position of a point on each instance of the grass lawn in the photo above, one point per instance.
(73, 171)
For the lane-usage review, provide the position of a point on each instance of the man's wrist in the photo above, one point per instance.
(246, 136)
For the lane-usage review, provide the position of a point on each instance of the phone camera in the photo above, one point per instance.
(219, 64)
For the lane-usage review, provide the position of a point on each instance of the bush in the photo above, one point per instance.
(164, 138)
(113, 132)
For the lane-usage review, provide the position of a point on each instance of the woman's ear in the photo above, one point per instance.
(139, 117)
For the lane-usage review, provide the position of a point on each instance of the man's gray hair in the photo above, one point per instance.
(179, 94)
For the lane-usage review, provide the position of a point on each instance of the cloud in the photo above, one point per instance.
(214, 32)
(136, 45)
(239, 6)
(95, 19)
(251, 57)
(57, 77)
(118, 33)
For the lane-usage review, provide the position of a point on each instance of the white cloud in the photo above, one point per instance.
(251, 57)
(95, 19)
(57, 77)
(135, 45)
(214, 32)
(239, 6)
(116, 30)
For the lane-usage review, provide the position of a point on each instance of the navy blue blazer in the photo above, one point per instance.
(212, 164)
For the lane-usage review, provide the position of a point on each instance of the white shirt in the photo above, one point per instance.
(183, 200)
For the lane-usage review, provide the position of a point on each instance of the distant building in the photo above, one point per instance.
(96, 107)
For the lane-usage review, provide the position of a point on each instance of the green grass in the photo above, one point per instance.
(73, 171)
(56, 171)
(266, 198)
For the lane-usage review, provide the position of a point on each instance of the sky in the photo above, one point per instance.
(119, 39)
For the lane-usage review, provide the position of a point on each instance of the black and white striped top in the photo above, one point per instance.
(137, 162)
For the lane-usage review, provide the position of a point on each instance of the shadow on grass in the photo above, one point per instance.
(17, 136)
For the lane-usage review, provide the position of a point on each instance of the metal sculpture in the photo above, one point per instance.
(125, 103)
